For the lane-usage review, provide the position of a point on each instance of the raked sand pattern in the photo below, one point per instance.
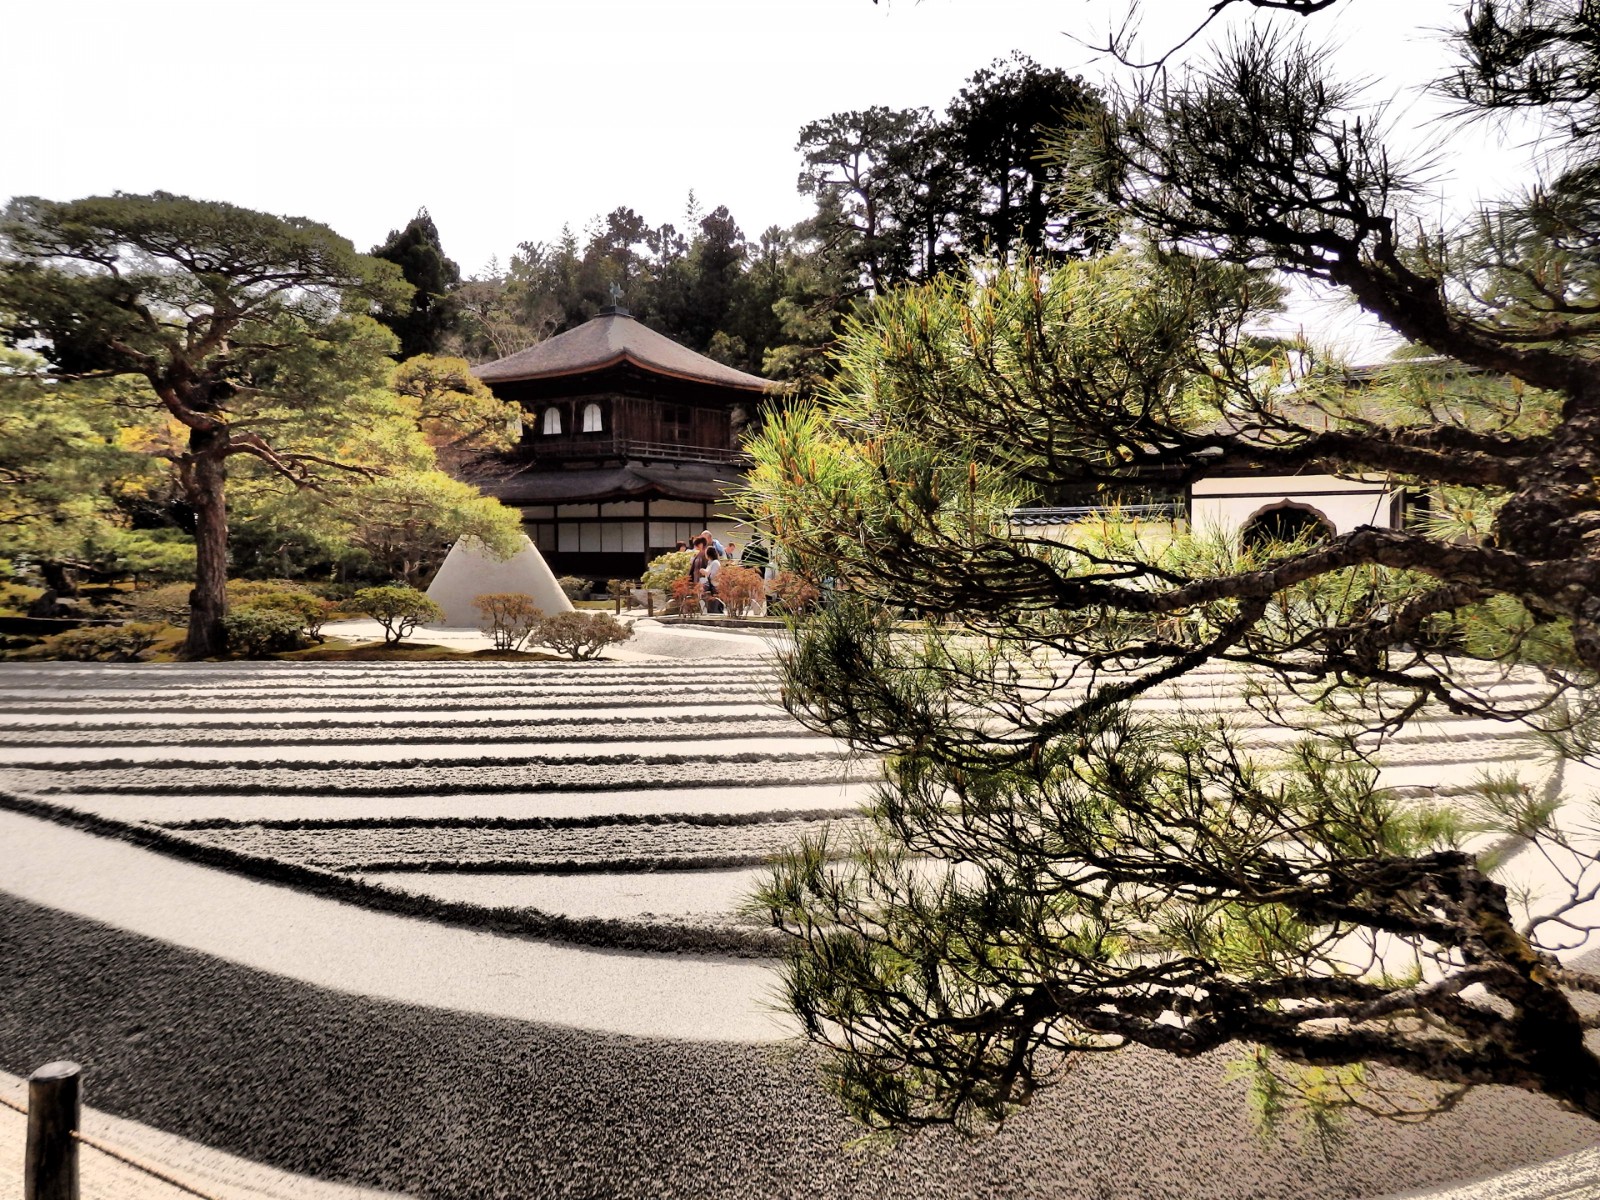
(472, 930)
(618, 804)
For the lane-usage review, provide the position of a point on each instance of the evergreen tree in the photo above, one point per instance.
(1056, 863)
(244, 331)
(423, 324)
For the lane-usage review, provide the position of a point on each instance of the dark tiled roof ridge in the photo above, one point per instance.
(606, 340)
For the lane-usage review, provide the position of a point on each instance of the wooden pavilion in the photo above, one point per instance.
(629, 444)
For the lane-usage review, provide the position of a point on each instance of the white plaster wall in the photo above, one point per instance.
(1229, 503)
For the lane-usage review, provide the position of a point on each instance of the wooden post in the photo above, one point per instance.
(649, 603)
(53, 1109)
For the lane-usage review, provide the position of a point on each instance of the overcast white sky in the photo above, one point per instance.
(507, 119)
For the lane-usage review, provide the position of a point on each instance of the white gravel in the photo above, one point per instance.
(372, 954)
(696, 897)
(735, 796)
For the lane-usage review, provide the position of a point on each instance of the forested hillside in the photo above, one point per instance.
(900, 195)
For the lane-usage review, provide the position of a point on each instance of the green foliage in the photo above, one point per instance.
(1065, 856)
(260, 632)
(427, 317)
(72, 471)
(741, 590)
(705, 285)
(572, 586)
(168, 603)
(666, 570)
(581, 635)
(907, 195)
(84, 316)
(399, 609)
(101, 643)
(309, 609)
(510, 618)
(236, 335)
(399, 525)
(453, 406)
(15, 598)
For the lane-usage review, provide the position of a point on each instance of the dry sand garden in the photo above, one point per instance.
(613, 807)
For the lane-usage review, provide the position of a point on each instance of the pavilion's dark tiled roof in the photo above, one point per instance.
(687, 481)
(610, 339)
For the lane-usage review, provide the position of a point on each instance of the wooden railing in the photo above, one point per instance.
(566, 448)
(1066, 515)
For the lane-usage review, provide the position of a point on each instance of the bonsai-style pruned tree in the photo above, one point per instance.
(581, 635)
(1061, 864)
(509, 618)
(399, 609)
(250, 330)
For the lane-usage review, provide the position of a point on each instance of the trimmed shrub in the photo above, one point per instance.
(15, 598)
(248, 591)
(581, 634)
(258, 632)
(574, 587)
(311, 610)
(101, 643)
(741, 590)
(398, 608)
(689, 597)
(508, 617)
(170, 602)
(795, 594)
(663, 572)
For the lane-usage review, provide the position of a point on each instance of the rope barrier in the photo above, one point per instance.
(124, 1157)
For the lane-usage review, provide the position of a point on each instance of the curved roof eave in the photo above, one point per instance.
(756, 384)
(609, 340)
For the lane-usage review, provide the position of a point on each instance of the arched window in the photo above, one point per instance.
(1286, 523)
(591, 419)
(552, 421)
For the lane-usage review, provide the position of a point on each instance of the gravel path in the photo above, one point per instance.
(442, 1104)
(442, 1062)
(698, 898)
(356, 950)
(748, 798)
(666, 845)
(401, 777)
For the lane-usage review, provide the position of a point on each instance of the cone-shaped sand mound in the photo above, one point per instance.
(470, 570)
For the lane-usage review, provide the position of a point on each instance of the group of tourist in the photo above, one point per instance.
(710, 555)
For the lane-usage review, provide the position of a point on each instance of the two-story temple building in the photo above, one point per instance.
(629, 444)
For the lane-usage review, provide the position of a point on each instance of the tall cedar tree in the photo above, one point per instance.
(425, 321)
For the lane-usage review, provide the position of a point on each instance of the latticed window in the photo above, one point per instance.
(552, 421)
(592, 422)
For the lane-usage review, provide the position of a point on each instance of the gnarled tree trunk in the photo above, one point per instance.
(206, 485)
